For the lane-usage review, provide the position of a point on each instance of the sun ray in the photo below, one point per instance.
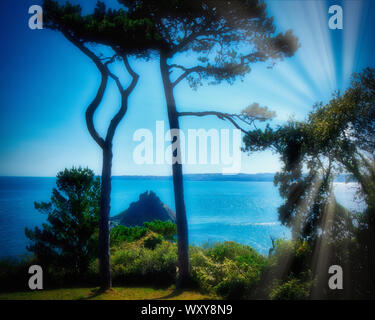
(351, 36)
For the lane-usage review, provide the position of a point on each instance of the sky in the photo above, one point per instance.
(47, 83)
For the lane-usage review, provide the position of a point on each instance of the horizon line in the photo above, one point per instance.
(140, 175)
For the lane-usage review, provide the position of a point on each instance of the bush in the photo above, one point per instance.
(135, 264)
(289, 275)
(293, 289)
(126, 234)
(14, 274)
(228, 269)
(289, 257)
(152, 241)
(165, 229)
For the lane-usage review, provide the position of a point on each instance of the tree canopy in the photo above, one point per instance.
(337, 137)
(69, 237)
(110, 27)
(224, 36)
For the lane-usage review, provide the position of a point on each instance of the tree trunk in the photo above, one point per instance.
(182, 227)
(105, 206)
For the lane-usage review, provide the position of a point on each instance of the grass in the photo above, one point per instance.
(116, 293)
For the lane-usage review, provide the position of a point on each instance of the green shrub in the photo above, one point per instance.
(166, 229)
(14, 274)
(231, 250)
(290, 257)
(293, 289)
(134, 264)
(126, 234)
(152, 241)
(229, 269)
(289, 276)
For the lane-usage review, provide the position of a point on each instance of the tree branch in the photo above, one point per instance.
(105, 73)
(192, 37)
(124, 99)
(132, 73)
(221, 115)
(90, 111)
(187, 72)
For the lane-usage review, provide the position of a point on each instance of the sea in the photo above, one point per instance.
(241, 211)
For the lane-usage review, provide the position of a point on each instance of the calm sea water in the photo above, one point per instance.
(245, 212)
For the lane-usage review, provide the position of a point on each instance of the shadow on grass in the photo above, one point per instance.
(94, 293)
(173, 294)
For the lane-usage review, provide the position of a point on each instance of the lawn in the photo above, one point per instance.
(116, 293)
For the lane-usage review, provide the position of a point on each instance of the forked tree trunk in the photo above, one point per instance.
(178, 187)
(105, 206)
(106, 146)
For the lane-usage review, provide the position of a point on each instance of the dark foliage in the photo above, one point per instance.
(337, 137)
(68, 240)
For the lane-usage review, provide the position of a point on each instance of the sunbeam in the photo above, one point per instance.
(351, 36)
(315, 59)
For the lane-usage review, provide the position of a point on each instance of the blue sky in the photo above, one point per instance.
(46, 84)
